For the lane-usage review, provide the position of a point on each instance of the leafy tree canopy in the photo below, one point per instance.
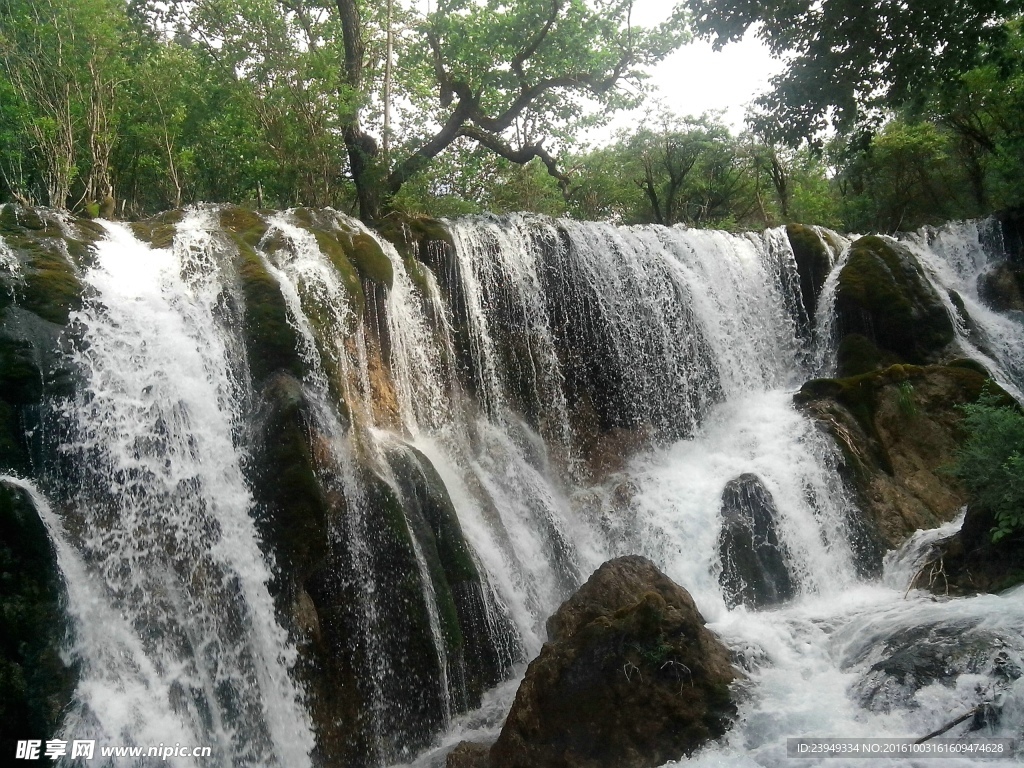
(850, 59)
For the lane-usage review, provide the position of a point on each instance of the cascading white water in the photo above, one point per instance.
(8, 260)
(687, 342)
(683, 307)
(162, 514)
(955, 257)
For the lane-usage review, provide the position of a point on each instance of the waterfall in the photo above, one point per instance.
(161, 514)
(956, 256)
(484, 422)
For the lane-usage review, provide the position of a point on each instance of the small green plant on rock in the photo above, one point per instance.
(905, 399)
(991, 462)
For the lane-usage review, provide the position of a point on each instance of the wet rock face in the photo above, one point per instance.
(35, 683)
(884, 296)
(970, 562)
(813, 263)
(630, 678)
(1003, 287)
(754, 571)
(898, 429)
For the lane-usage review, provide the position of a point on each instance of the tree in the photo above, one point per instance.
(65, 63)
(508, 77)
(851, 58)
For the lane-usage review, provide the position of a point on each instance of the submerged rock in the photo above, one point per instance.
(630, 678)
(899, 664)
(754, 571)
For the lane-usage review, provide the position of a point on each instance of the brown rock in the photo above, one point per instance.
(631, 678)
(468, 754)
(899, 430)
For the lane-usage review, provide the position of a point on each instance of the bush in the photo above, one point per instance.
(991, 462)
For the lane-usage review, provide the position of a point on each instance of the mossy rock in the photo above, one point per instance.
(883, 294)
(15, 219)
(973, 365)
(369, 258)
(1002, 287)
(294, 510)
(246, 224)
(632, 678)
(270, 339)
(51, 289)
(899, 430)
(158, 231)
(350, 275)
(857, 354)
(35, 684)
(411, 234)
(813, 263)
(21, 382)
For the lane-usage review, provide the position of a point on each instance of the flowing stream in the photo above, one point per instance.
(581, 391)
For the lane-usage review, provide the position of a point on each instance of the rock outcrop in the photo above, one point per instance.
(814, 261)
(754, 571)
(35, 682)
(630, 678)
(883, 296)
(898, 429)
(970, 562)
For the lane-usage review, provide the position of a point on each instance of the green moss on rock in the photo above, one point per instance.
(270, 340)
(884, 295)
(370, 259)
(857, 354)
(350, 276)
(247, 225)
(813, 263)
(159, 230)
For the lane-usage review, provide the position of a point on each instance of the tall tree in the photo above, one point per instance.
(506, 76)
(65, 62)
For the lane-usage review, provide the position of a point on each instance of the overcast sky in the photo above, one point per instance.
(695, 79)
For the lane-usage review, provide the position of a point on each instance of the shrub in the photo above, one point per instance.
(991, 462)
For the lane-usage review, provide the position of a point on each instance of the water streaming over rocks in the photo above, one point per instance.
(474, 426)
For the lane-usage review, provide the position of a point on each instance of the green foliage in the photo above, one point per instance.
(991, 462)
(849, 60)
(694, 171)
(905, 402)
(905, 177)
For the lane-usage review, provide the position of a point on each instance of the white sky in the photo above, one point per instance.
(695, 79)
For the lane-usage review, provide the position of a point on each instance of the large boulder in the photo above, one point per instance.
(754, 571)
(631, 678)
(1002, 287)
(814, 261)
(883, 295)
(899, 430)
